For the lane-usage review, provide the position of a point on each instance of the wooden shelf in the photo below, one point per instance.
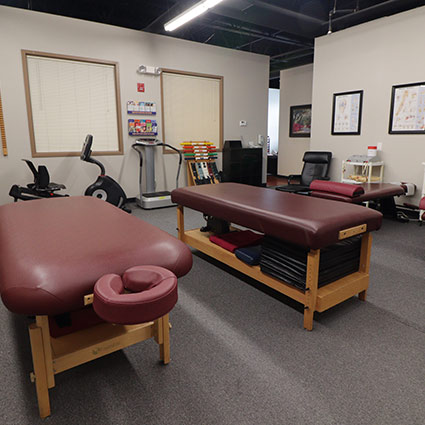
(143, 134)
(55, 355)
(140, 113)
(91, 343)
(327, 296)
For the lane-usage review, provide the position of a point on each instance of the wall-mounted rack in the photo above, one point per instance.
(138, 127)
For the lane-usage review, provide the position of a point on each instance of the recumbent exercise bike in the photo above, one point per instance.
(105, 187)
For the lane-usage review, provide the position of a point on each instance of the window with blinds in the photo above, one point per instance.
(192, 106)
(68, 98)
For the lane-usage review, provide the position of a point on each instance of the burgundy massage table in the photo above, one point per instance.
(382, 193)
(96, 279)
(300, 220)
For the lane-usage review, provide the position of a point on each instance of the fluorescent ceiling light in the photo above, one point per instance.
(191, 13)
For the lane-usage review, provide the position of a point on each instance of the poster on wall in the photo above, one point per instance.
(347, 113)
(300, 121)
(407, 115)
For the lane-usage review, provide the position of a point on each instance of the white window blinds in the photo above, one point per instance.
(70, 99)
(192, 108)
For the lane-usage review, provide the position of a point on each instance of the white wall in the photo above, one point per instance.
(371, 57)
(273, 120)
(245, 91)
(295, 89)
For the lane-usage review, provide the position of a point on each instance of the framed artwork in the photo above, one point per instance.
(347, 113)
(300, 121)
(407, 114)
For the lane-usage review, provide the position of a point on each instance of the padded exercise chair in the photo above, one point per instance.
(316, 167)
(41, 188)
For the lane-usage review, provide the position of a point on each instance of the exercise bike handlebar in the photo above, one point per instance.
(86, 154)
(98, 163)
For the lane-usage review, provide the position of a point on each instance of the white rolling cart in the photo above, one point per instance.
(357, 171)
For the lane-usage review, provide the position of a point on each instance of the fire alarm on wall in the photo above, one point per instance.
(141, 87)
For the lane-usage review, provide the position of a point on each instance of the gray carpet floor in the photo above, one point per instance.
(239, 354)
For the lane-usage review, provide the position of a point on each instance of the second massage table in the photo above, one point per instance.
(300, 220)
(382, 194)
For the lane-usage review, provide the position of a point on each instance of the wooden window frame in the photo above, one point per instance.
(220, 79)
(34, 152)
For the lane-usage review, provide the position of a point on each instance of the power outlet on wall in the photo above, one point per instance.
(242, 123)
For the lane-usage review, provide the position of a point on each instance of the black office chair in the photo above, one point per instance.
(316, 167)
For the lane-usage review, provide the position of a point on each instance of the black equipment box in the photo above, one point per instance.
(289, 262)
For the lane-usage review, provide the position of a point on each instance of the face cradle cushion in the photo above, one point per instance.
(143, 294)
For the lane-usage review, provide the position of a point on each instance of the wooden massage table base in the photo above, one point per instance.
(54, 355)
(313, 298)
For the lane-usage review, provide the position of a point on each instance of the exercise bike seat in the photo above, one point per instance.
(42, 179)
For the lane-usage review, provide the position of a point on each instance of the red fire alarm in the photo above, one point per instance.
(141, 87)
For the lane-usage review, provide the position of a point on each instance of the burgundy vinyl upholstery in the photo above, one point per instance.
(345, 189)
(54, 250)
(422, 204)
(334, 196)
(142, 294)
(302, 220)
(371, 191)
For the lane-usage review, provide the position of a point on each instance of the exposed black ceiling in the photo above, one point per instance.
(282, 29)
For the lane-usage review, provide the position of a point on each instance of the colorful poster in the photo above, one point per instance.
(408, 109)
(300, 121)
(347, 113)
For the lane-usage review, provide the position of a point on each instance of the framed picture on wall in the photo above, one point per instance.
(347, 113)
(407, 114)
(300, 121)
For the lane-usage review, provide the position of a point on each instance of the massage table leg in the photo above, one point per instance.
(180, 222)
(362, 295)
(43, 323)
(366, 248)
(40, 370)
(95, 342)
(313, 261)
(162, 337)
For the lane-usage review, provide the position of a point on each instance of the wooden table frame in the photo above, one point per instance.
(313, 298)
(51, 356)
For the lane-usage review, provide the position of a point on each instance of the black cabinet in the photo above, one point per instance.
(272, 165)
(243, 165)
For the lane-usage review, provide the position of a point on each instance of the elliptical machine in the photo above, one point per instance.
(105, 187)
